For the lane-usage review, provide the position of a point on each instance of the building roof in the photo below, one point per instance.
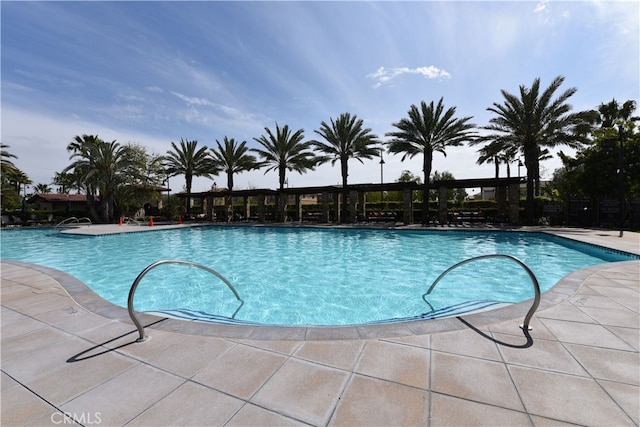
(57, 198)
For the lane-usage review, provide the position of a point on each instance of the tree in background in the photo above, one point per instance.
(190, 161)
(426, 130)
(344, 139)
(232, 158)
(100, 166)
(285, 151)
(532, 120)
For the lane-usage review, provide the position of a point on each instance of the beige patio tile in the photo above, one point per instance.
(543, 354)
(598, 301)
(423, 341)
(452, 411)
(190, 405)
(547, 422)
(20, 407)
(373, 402)
(241, 371)
(252, 415)
(188, 356)
(125, 396)
(39, 362)
(566, 398)
(279, 346)
(614, 317)
(20, 326)
(627, 396)
(338, 354)
(395, 362)
(474, 379)
(564, 311)
(538, 331)
(585, 333)
(68, 380)
(608, 364)
(302, 390)
(466, 343)
(6, 382)
(24, 344)
(629, 335)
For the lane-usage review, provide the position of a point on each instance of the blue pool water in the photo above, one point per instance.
(293, 276)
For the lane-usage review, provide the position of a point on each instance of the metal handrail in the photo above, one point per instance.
(73, 220)
(536, 285)
(132, 291)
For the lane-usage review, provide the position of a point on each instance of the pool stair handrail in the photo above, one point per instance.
(134, 286)
(536, 286)
(74, 220)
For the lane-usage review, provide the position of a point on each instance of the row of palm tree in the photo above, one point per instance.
(526, 125)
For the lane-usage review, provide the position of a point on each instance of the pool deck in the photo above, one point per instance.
(66, 353)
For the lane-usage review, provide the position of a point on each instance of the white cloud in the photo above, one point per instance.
(194, 100)
(383, 75)
(154, 89)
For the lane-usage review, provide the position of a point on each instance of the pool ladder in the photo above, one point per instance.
(536, 285)
(142, 337)
(74, 220)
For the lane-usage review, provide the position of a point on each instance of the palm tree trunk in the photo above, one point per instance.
(345, 193)
(426, 168)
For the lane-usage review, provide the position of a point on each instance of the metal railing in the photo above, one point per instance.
(74, 220)
(132, 291)
(536, 285)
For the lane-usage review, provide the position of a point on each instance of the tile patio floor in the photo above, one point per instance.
(580, 365)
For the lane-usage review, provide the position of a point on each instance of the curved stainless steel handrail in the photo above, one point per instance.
(536, 285)
(132, 291)
(73, 220)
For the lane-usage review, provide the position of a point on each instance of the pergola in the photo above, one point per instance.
(507, 196)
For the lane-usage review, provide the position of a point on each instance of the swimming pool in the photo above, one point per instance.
(306, 276)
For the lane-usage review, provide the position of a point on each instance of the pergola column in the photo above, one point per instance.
(514, 204)
(209, 208)
(354, 199)
(299, 207)
(325, 206)
(362, 204)
(260, 208)
(407, 206)
(442, 205)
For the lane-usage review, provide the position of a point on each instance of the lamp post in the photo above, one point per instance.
(381, 175)
(519, 166)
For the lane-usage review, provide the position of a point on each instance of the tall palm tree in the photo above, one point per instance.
(42, 188)
(345, 139)
(190, 161)
(535, 119)
(5, 156)
(429, 129)
(285, 151)
(232, 158)
(100, 166)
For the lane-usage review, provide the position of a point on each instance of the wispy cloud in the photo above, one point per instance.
(385, 75)
(192, 100)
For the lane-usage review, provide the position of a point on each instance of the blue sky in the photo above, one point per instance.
(155, 72)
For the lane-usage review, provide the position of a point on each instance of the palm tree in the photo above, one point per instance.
(428, 129)
(345, 139)
(284, 152)
(5, 163)
(232, 158)
(42, 188)
(534, 119)
(100, 166)
(190, 161)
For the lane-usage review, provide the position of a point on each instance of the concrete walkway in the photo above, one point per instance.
(579, 365)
